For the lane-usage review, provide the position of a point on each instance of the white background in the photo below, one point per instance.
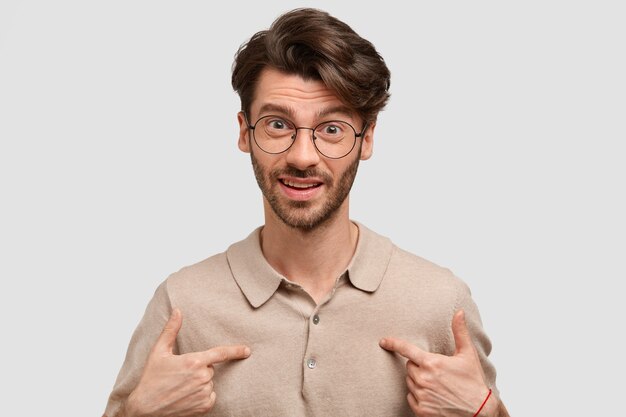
(499, 156)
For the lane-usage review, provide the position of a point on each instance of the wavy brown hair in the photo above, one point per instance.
(315, 45)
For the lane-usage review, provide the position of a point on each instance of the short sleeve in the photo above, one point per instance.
(145, 335)
(479, 336)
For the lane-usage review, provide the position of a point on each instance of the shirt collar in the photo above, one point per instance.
(259, 281)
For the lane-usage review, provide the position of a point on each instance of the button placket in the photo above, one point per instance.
(311, 361)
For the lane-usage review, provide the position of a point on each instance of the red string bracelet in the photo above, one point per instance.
(483, 404)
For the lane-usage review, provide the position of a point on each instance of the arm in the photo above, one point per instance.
(497, 409)
(155, 380)
(447, 385)
(177, 385)
(120, 413)
(502, 411)
(144, 337)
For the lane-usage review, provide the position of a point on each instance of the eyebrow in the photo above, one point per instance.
(344, 110)
(270, 107)
(290, 111)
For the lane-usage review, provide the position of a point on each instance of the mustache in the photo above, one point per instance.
(298, 173)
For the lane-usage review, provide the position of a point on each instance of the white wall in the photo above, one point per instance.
(499, 156)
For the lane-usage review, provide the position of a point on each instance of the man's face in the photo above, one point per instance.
(303, 188)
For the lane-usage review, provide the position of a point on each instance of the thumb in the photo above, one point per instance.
(462, 338)
(167, 338)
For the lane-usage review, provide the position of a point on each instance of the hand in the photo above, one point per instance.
(442, 385)
(178, 385)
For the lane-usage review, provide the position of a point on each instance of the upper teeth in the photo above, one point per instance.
(298, 185)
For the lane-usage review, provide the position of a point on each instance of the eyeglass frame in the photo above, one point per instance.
(312, 129)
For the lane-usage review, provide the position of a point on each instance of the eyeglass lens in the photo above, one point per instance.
(333, 139)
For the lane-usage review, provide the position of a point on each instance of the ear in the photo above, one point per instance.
(367, 144)
(244, 131)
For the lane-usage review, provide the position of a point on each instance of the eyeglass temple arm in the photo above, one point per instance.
(245, 116)
(358, 135)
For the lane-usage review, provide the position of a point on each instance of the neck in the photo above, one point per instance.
(312, 258)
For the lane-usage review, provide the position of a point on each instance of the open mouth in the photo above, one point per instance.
(300, 185)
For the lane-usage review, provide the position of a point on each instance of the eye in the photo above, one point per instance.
(331, 129)
(275, 123)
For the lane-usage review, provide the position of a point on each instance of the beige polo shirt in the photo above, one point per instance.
(308, 359)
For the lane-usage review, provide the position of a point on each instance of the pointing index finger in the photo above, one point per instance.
(225, 353)
(403, 348)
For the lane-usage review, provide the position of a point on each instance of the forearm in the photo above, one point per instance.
(502, 411)
(121, 412)
(495, 409)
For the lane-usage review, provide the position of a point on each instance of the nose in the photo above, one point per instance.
(302, 154)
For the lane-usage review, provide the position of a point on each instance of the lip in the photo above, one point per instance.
(303, 194)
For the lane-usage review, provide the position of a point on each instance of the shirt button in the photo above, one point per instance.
(311, 363)
(316, 319)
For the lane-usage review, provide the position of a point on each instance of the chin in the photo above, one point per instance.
(296, 215)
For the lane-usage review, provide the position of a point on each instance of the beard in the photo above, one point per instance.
(303, 215)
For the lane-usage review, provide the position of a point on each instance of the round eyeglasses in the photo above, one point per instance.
(334, 138)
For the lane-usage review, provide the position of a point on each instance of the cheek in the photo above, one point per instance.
(261, 164)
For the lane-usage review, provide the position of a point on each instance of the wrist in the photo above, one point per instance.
(129, 408)
(491, 407)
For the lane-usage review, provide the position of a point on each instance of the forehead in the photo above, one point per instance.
(301, 98)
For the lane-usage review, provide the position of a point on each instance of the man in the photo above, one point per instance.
(313, 314)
